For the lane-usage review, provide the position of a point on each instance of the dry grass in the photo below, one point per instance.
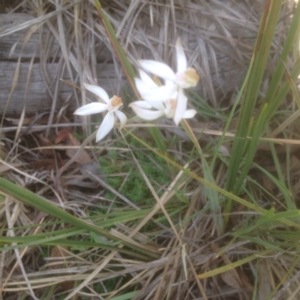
(175, 224)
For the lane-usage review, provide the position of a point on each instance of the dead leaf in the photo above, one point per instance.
(48, 163)
(82, 158)
(267, 183)
(59, 252)
(5, 168)
(26, 121)
(245, 280)
(41, 118)
(264, 286)
(235, 278)
(44, 142)
(65, 136)
(230, 279)
(294, 163)
(41, 215)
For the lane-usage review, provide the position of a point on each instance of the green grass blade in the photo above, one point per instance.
(251, 148)
(126, 65)
(211, 194)
(41, 204)
(158, 139)
(237, 101)
(283, 90)
(290, 204)
(127, 296)
(221, 191)
(280, 185)
(129, 71)
(288, 47)
(233, 265)
(277, 96)
(260, 58)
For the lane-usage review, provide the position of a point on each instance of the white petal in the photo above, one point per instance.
(142, 87)
(180, 108)
(141, 104)
(91, 108)
(157, 104)
(160, 93)
(180, 57)
(157, 68)
(156, 93)
(106, 126)
(122, 117)
(147, 79)
(98, 91)
(146, 114)
(181, 81)
(168, 82)
(189, 113)
(148, 104)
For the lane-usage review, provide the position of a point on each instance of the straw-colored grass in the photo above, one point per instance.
(206, 210)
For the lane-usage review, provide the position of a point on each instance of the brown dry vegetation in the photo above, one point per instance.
(48, 49)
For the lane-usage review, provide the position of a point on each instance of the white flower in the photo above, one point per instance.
(184, 77)
(151, 91)
(165, 100)
(176, 108)
(173, 108)
(111, 105)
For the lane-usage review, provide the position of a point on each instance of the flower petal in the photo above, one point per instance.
(146, 114)
(180, 57)
(98, 91)
(106, 126)
(157, 104)
(180, 108)
(189, 113)
(168, 82)
(91, 108)
(161, 93)
(141, 104)
(122, 117)
(147, 79)
(157, 68)
(142, 87)
(148, 104)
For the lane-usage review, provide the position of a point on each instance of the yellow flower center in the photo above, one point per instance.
(116, 101)
(191, 76)
(114, 104)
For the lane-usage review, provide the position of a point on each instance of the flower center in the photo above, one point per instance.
(115, 103)
(189, 78)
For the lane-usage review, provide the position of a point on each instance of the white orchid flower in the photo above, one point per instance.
(184, 77)
(111, 105)
(176, 108)
(151, 91)
(173, 108)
